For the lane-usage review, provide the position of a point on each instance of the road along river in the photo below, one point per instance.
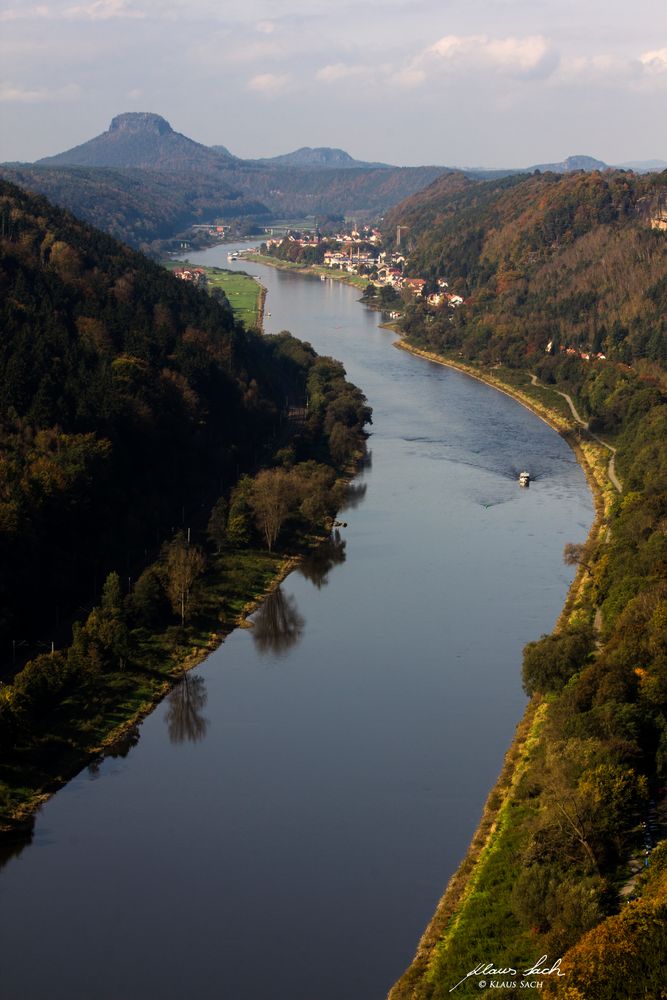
(286, 824)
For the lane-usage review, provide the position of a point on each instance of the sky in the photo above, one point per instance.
(493, 83)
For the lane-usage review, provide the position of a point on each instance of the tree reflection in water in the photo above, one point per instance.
(120, 748)
(277, 626)
(12, 844)
(185, 721)
(316, 566)
(354, 496)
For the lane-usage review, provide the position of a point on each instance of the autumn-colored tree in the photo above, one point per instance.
(183, 564)
(272, 500)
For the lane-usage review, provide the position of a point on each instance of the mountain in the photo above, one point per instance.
(570, 164)
(320, 156)
(142, 182)
(140, 139)
(224, 151)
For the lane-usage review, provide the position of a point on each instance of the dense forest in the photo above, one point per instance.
(126, 400)
(566, 278)
(138, 206)
(573, 261)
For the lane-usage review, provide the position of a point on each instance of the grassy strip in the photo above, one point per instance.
(484, 849)
(98, 717)
(246, 295)
(356, 280)
(474, 917)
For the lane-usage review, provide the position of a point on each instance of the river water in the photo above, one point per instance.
(287, 821)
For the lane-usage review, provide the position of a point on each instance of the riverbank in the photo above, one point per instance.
(355, 280)
(63, 708)
(246, 295)
(476, 897)
(233, 587)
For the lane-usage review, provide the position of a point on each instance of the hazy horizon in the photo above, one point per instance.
(471, 83)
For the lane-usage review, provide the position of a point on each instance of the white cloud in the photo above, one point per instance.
(103, 10)
(655, 62)
(10, 94)
(266, 27)
(270, 84)
(97, 10)
(529, 56)
(411, 76)
(25, 13)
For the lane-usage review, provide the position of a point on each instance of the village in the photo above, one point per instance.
(359, 253)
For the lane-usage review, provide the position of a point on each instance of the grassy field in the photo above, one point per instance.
(359, 281)
(245, 294)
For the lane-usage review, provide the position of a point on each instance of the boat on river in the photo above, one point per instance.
(524, 479)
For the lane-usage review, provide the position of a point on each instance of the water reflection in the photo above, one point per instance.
(13, 844)
(120, 748)
(354, 496)
(278, 626)
(317, 565)
(185, 705)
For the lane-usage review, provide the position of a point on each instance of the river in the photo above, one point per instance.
(285, 824)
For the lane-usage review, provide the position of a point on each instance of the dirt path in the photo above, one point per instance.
(611, 468)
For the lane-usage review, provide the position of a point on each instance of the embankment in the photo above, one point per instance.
(477, 869)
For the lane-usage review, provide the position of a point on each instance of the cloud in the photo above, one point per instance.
(266, 27)
(97, 10)
(655, 62)
(270, 84)
(10, 94)
(411, 76)
(530, 56)
(25, 13)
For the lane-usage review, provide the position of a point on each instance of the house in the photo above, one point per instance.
(415, 285)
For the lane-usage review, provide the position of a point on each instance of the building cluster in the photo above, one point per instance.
(574, 352)
(360, 253)
(195, 275)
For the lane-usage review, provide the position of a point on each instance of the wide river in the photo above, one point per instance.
(286, 823)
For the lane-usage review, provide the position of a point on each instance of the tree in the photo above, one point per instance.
(217, 524)
(183, 564)
(148, 602)
(239, 520)
(574, 555)
(272, 501)
(549, 662)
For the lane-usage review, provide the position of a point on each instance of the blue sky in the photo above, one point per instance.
(457, 82)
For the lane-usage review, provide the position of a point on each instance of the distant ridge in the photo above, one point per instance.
(140, 139)
(644, 166)
(570, 164)
(319, 156)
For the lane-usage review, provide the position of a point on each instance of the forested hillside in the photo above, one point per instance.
(127, 400)
(573, 261)
(137, 206)
(565, 279)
